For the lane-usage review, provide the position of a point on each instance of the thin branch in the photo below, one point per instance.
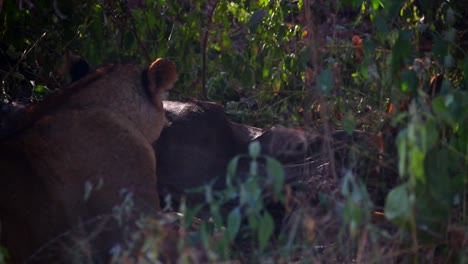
(204, 47)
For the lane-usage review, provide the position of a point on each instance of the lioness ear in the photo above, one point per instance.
(162, 75)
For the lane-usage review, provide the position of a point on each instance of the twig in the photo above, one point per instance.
(204, 47)
(23, 56)
(312, 42)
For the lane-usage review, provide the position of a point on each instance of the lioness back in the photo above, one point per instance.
(73, 162)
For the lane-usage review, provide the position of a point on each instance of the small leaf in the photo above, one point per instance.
(208, 194)
(402, 145)
(88, 188)
(233, 223)
(253, 221)
(40, 89)
(325, 82)
(231, 170)
(349, 124)
(265, 230)
(276, 171)
(254, 149)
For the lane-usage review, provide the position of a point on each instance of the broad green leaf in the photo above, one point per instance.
(233, 223)
(263, 3)
(275, 170)
(397, 206)
(325, 82)
(376, 4)
(265, 230)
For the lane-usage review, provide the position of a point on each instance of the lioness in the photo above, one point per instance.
(199, 140)
(65, 162)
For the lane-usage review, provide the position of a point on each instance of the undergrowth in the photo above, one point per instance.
(398, 69)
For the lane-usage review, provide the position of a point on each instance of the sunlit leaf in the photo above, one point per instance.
(40, 89)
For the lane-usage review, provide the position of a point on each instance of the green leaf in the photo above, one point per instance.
(401, 50)
(397, 206)
(263, 3)
(256, 19)
(440, 47)
(254, 149)
(253, 221)
(381, 26)
(275, 170)
(441, 110)
(265, 230)
(409, 81)
(40, 89)
(3, 254)
(233, 223)
(416, 164)
(376, 4)
(231, 170)
(349, 124)
(325, 82)
(402, 145)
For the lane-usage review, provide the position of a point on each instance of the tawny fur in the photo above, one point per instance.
(101, 134)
